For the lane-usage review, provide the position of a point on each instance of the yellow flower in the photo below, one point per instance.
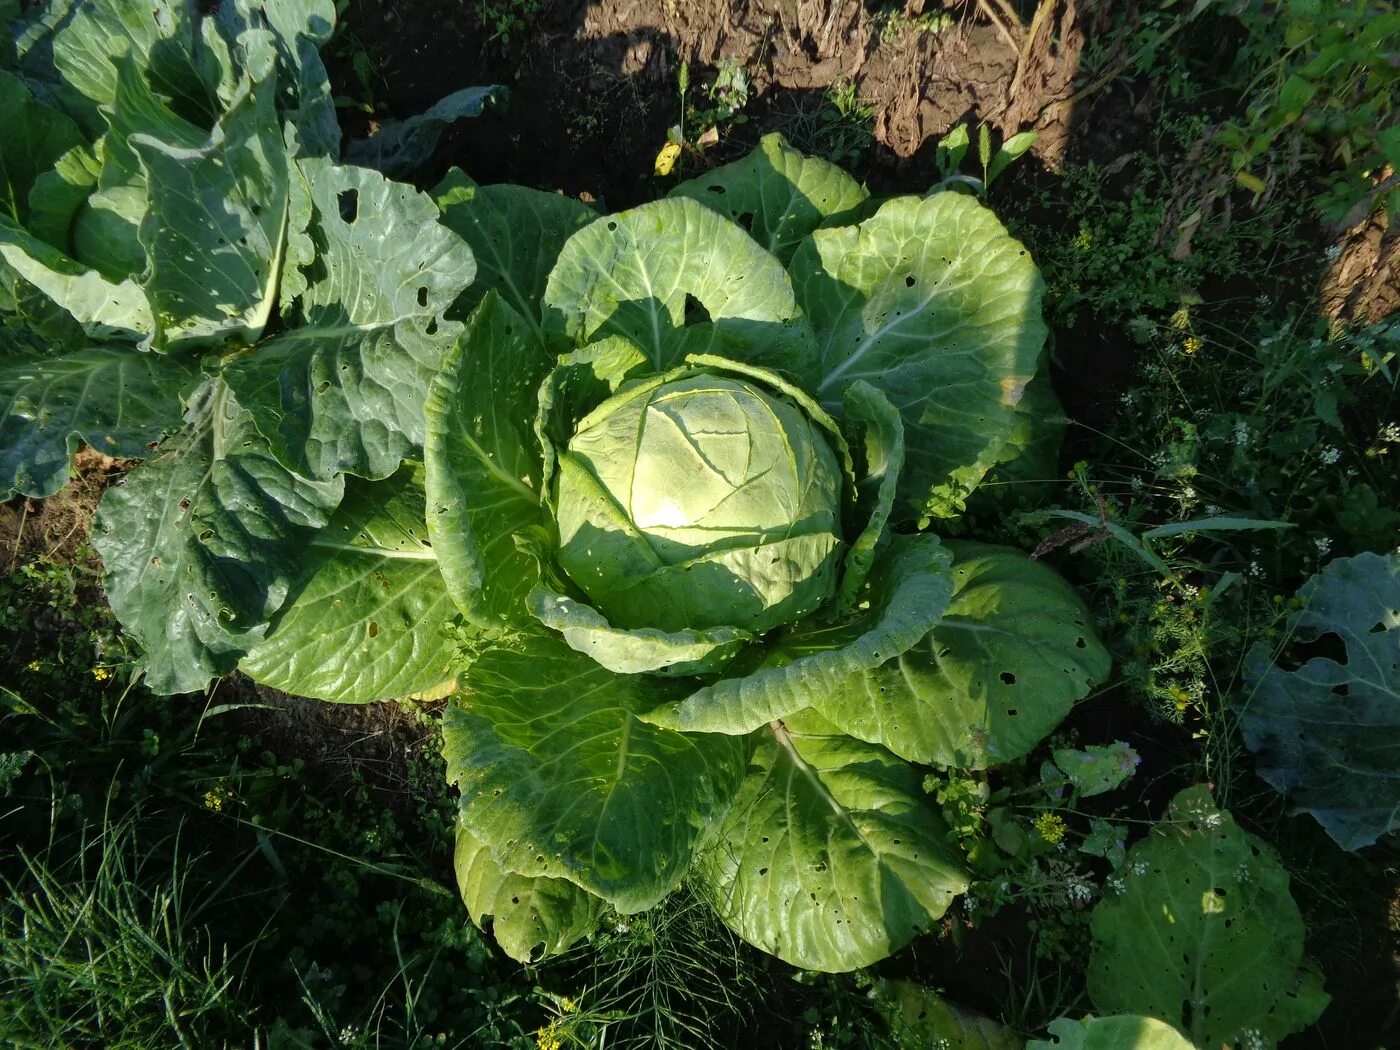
(1181, 320)
(101, 674)
(1050, 827)
(568, 1005)
(213, 800)
(666, 159)
(547, 1038)
(1084, 240)
(1191, 345)
(34, 665)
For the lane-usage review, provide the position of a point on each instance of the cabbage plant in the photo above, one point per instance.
(653, 497)
(678, 473)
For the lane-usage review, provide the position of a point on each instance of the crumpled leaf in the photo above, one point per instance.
(530, 918)
(202, 541)
(919, 1018)
(1327, 733)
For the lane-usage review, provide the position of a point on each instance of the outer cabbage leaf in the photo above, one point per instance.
(777, 194)
(1026, 469)
(115, 398)
(932, 302)
(482, 467)
(345, 390)
(1121, 1032)
(1204, 935)
(35, 137)
(300, 28)
(400, 147)
(364, 621)
(531, 919)
(560, 779)
(213, 232)
(919, 1018)
(829, 857)
(907, 592)
(104, 308)
(516, 234)
(1327, 733)
(76, 47)
(636, 650)
(201, 543)
(676, 278)
(993, 677)
(881, 445)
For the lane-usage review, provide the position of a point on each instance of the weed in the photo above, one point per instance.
(839, 127)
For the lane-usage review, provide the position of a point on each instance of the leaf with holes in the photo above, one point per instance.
(992, 678)
(365, 620)
(531, 918)
(1327, 732)
(1204, 934)
(830, 857)
(932, 302)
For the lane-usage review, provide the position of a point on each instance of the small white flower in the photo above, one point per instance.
(1389, 434)
(1116, 883)
(1241, 433)
(1138, 867)
(1329, 455)
(1323, 545)
(1333, 252)
(1256, 570)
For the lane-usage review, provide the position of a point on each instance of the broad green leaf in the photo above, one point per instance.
(483, 471)
(161, 38)
(991, 680)
(920, 1019)
(1096, 768)
(214, 229)
(102, 307)
(932, 302)
(531, 918)
(115, 398)
(106, 229)
(59, 192)
(1204, 934)
(1121, 1032)
(830, 858)
(1326, 734)
(401, 147)
(881, 444)
(516, 234)
(299, 28)
(560, 779)
(648, 273)
(1026, 472)
(908, 590)
(636, 650)
(364, 620)
(34, 139)
(777, 194)
(201, 543)
(344, 391)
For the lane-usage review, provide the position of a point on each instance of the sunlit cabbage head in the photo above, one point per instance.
(700, 502)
